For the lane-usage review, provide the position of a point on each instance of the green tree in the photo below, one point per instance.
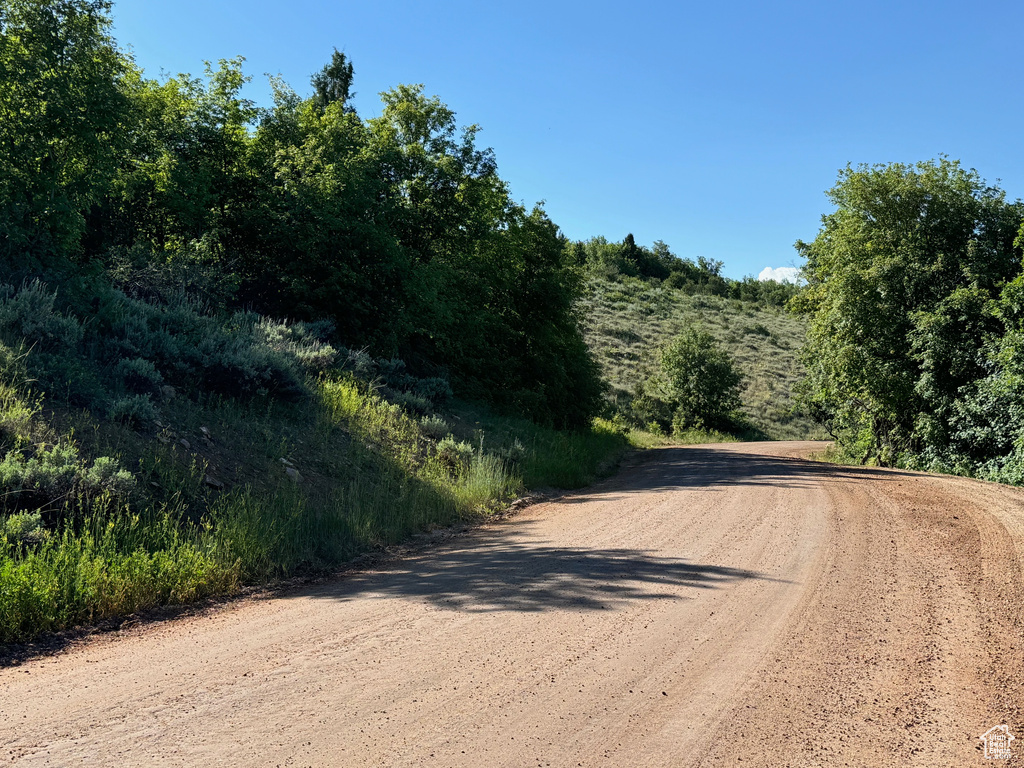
(898, 278)
(333, 83)
(701, 380)
(62, 115)
(186, 175)
(319, 239)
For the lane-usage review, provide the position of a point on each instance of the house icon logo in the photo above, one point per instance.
(997, 742)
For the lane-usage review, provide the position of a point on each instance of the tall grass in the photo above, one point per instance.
(545, 457)
(113, 559)
(572, 459)
(112, 566)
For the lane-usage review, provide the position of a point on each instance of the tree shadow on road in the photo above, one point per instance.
(491, 571)
(671, 469)
(503, 571)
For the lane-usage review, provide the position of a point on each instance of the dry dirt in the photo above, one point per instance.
(724, 605)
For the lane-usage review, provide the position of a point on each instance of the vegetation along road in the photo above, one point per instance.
(709, 606)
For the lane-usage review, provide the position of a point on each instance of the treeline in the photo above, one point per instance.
(657, 264)
(398, 229)
(916, 297)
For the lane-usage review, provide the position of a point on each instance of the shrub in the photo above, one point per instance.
(134, 409)
(106, 475)
(194, 269)
(394, 375)
(436, 390)
(29, 314)
(434, 427)
(16, 417)
(24, 528)
(418, 395)
(303, 342)
(453, 454)
(702, 380)
(514, 453)
(139, 375)
(47, 475)
(133, 345)
(358, 362)
(56, 477)
(412, 402)
(757, 329)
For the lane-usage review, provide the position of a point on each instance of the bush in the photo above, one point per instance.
(132, 346)
(436, 390)
(514, 453)
(139, 375)
(16, 417)
(434, 427)
(134, 409)
(453, 454)
(56, 477)
(418, 395)
(28, 314)
(359, 362)
(160, 277)
(412, 402)
(702, 380)
(49, 474)
(302, 342)
(24, 528)
(757, 329)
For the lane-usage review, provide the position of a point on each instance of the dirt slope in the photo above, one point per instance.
(709, 606)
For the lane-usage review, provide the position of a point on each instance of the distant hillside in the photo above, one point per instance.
(629, 319)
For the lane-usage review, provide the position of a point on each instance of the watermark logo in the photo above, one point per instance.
(997, 742)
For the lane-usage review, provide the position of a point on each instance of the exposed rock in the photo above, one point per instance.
(206, 432)
(287, 463)
(167, 392)
(213, 482)
(293, 474)
(186, 444)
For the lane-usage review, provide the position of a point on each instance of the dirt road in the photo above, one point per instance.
(710, 606)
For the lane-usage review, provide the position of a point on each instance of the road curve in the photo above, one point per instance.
(726, 605)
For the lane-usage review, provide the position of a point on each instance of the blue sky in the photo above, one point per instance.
(714, 127)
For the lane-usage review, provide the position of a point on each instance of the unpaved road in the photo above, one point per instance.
(709, 606)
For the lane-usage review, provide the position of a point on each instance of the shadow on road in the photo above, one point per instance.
(503, 571)
(492, 571)
(671, 469)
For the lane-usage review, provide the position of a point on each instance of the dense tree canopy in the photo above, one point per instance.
(909, 283)
(63, 109)
(398, 228)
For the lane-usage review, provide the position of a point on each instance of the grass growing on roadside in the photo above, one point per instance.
(208, 485)
(545, 457)
(373, 474)
(114, 565)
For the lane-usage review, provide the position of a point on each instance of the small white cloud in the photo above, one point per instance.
(780, 274)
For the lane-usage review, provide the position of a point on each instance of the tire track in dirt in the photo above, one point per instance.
(710, 605)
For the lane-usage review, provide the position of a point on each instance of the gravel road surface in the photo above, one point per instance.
(728, 605)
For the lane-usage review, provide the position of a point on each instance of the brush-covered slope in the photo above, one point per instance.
(628, 321)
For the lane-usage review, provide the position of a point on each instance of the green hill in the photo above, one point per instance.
(628, 320)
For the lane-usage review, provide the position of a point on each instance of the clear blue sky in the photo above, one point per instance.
(714, 127)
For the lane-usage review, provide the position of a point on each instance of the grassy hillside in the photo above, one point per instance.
(153, 453)
(628, 320)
